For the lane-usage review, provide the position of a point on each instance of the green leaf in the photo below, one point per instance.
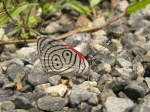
(13, 12)
(137, 6)
(133, 1)
(94, 2)
(46, 7)
(81, 9)
(32, 21)
(56, 6)
(15, 30)
(106, 14)
(34, 32)
(24, 35)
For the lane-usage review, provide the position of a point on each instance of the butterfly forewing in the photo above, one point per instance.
(58, 57)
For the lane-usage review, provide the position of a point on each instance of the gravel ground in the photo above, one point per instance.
(119, 79)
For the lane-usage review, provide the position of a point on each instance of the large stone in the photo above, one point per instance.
(114, 104)
(58, 90)
(48, 103)
(37, 77)
(8, 106)
(135, 91)
(144, 105)
(21, 102)
(78, 95)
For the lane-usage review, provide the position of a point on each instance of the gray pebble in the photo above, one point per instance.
(114, 104)
(8, 106)
(21, 102)
(96, 108)
(51, 103)
(54, 80)
(37, 77)
(123, 63)
(144, 105)
(135, 91)
(31, 57)
(78, 95)
(93, 100)
(14, 70)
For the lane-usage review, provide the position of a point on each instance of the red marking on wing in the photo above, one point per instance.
(79, 54)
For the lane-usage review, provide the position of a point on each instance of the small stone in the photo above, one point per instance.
(35, 110)
(8, 106)
(115, 46)
(118, 84)
(68, 27)
(100, 21)
(105, 78)
(5, 94)
(146, 45)
(123, 63)
(21, 102)
(122, 5)
(84, 107)
(15, 61)
(36, 95)
(37, 65)
(76, 39)
(3, 80)
(100, 34)
(139, 37)
(10, 48)
(139, 16)
(93, 100)
(114, 104)
(144, 105)
(135, 91)
(54, 80)
(3, 37)
(124, 73)
(90, 86)
(23, 52)
(147, 80)
(122, 95)
(78, 95)
(13, 70)
(58, 90)
(31, 57)
(104, 68)
(51, 103)
(138, 50)
(96, 108)
(105, 94)
(42, 87)
(139, 69)
(53, 27)
(9, 85)
(83, 48)
(20, 110)
(148, 53)
(37, 77)
(65, 109)
(26, 88)
(94, 76)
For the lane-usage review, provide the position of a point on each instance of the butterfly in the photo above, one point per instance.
(59, 58)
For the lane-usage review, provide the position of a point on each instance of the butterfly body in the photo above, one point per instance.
(59, 58)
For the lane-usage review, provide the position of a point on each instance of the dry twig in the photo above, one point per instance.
(79, 30)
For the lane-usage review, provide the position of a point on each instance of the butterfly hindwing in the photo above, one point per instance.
(58, 57)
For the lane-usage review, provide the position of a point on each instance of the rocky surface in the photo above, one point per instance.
(119, 79)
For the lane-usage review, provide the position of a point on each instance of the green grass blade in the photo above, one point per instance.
(137, 6)
(81, 9)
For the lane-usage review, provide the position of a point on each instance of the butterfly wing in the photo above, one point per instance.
(58, 57)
